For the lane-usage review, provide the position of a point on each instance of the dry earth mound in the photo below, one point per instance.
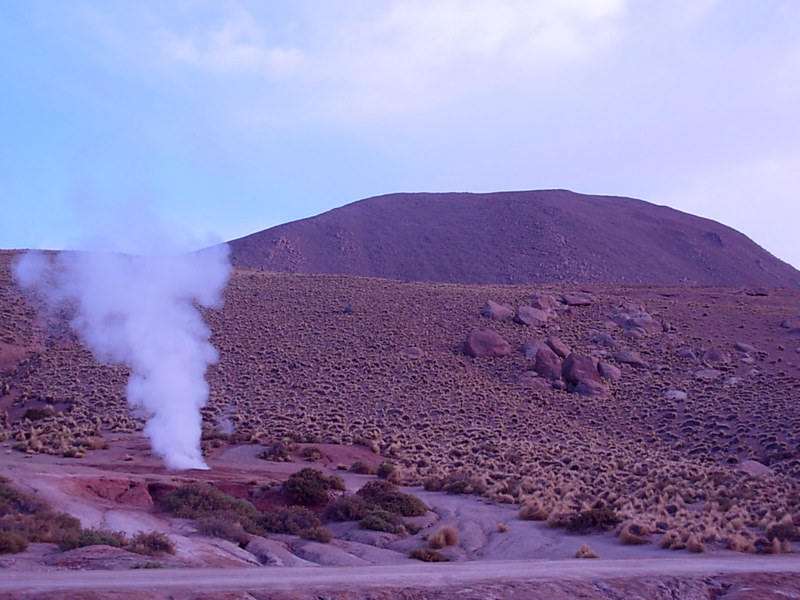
(514, 238)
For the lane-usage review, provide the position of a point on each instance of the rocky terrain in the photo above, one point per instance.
(510, 410)
(541, 236)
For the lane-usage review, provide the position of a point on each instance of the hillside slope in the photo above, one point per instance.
(546, 236)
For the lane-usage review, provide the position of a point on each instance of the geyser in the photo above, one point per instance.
(143, 312)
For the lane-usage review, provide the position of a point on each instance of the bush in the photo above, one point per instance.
(597, 518)
(362, 468)
(280, 451)
(93, 537)
(347, 508)
(199, 500)
(12, 501)
(224, 528)
(291, 519)
(316, 534)
(531, 511)
(455, 483)
(12, 543)
(446, 536)
(380, 494)
(152, 543)
(428, 555)
(309, 487)
(381, 520)
(385, 469)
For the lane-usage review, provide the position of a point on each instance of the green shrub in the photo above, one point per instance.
(428, 555)
(347, 508)
(317, 534)
(93, 537)
(380, 494)
(226, 529)
(381, 520)
(385, 469)
(309, 487)
(152, 543)
(12, 543)
(597, 518)
(46, 526)
(200, 500)
(291, 519)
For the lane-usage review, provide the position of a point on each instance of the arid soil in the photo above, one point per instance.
(692, 434)
(540, 236)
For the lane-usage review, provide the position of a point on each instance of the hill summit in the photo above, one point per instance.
(547, 236)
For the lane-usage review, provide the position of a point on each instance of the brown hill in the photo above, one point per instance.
(515, 237)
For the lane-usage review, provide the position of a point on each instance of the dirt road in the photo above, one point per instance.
(388, 576)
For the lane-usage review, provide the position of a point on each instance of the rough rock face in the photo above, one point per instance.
(414, 237)
(486, 343)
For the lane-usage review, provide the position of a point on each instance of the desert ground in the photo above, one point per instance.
(673, 408)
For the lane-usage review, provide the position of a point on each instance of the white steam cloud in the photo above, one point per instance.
(143, 312)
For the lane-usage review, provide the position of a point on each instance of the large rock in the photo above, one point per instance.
(486, 343)
(548, 364)
(631, 358)
(716, 355)
(535, 317)
(609, 371)
(497, 311)
(582, 376)
(576, 299)
(634, 317)
(557, 346)
(544, 302)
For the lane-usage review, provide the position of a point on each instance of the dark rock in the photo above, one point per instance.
(494, 310)
(486, 343)
(609, 371)
(629, 357)
(535, 317)
(557, 346)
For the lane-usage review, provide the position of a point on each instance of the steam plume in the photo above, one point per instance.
(143, 312)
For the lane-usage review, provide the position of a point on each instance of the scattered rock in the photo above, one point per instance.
(634, 317)
(497, 311)
(604, 339)
(557, 346)
(794, 332)
(608, 371)
(791, 322)
(486, 343)
(707, 374)
(742, 347)
(533, 381)
(732, 381)
(755, 468)
(576, 300)
(581, 375)
(544, 302)
(548, 363)
(686, 353)
(531, 347)
(676, 395)
(716, 355)
(631, 358)
(527, 315)
(413, 352)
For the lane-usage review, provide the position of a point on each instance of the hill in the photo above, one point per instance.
(551, 236)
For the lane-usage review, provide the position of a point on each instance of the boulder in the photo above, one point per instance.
(576, 300)
(743, 347)
(535, 317)
(791, 322)
(631, 358)
(497, 311)
(686, 353)
(557, 346)
(544, 302)
(486, 343)
(580, 373)
(532, 347)
(547, 363)
(608, 371)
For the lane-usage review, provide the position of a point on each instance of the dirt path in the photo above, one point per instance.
(387, 576)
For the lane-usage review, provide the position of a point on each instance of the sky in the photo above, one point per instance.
(220, 118)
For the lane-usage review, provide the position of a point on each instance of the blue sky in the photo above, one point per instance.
(220, 118)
